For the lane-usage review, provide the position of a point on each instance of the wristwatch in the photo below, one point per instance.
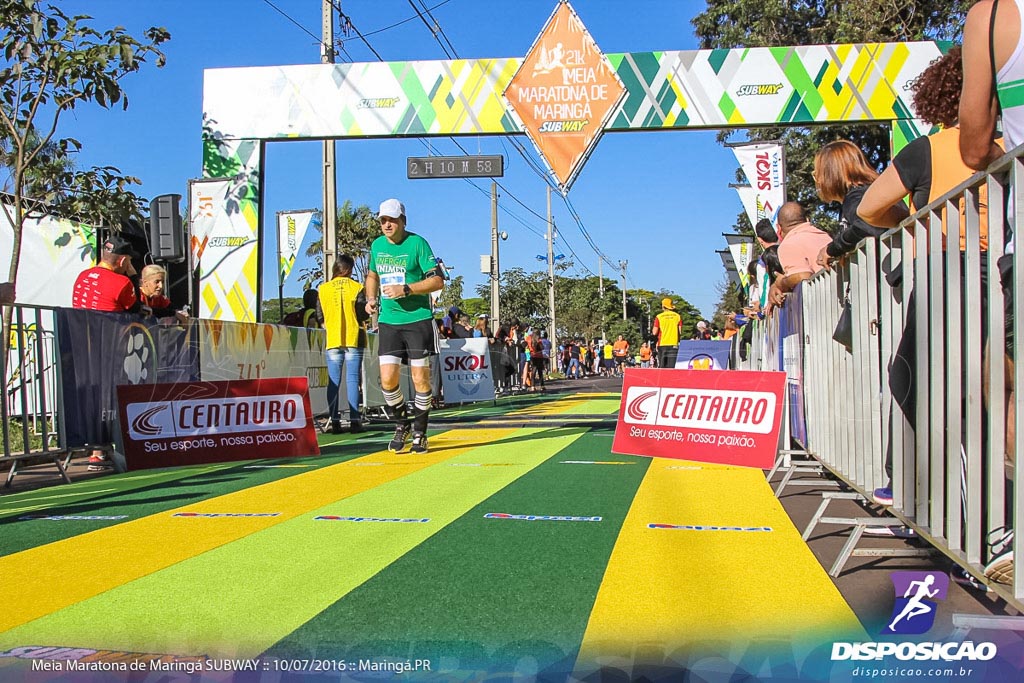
(407, 290)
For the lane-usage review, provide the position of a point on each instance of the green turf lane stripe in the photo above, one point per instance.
(484, 593)
(137, 548)
(135, 497)
(607, 406)
(242, 597)
(19, 504)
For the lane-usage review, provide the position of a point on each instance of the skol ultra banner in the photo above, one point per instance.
(224, 249)
(729, 418)
(742, 249)
(241, 351)
(764, 166)
(466, 372)
(199, 422)
(291, 229)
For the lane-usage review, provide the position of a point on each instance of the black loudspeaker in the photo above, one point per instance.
(166, 236)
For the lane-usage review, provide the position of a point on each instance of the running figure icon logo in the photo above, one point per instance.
(917, 594)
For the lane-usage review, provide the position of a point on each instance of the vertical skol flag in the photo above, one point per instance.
(742, 249)
(764, 164)
(291, 229)
(730, 266)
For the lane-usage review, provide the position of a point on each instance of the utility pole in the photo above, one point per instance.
(551, 275)
(495, 270)
(330, 181)
(600, 289)
(622, 265)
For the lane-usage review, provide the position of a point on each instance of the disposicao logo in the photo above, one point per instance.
(540, 518)
(914, 613)
(916, 606)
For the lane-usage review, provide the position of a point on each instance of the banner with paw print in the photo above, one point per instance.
(99, 351)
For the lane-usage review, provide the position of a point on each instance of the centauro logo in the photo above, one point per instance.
(163, 419)
(571, 126)
(749, 411)
(379, 102)
(760, 89)
(228, 241)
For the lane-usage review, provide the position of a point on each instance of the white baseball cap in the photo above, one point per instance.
(701, 325)
(392, 208)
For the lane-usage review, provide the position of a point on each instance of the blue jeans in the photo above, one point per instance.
(352, 358)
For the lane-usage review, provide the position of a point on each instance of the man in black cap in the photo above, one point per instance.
(106, 286)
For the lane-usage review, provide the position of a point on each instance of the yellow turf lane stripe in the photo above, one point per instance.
(675, 587)
(95, 562)
(241, 598)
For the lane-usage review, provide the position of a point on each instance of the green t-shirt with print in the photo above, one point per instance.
(402, 264)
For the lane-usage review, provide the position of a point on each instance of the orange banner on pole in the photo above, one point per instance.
(564, 92)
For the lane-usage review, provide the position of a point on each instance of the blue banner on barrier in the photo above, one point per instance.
(99, 351)
(791, 328)
(703, 355)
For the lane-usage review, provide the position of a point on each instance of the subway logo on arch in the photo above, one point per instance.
(716, 409)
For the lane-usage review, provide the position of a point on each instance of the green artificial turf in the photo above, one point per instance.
(491, 593)
(136, 494)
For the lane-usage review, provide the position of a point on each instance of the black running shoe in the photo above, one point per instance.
(397, 444)
(419, 442)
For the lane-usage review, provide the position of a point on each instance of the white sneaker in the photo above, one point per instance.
(891, 531)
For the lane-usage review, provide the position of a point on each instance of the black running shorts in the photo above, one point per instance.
(411, 341)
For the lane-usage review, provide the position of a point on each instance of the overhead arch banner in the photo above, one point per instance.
(663, 90)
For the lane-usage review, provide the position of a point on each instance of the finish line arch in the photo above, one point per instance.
(244, 108)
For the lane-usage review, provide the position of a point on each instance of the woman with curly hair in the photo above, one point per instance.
(924, 170)
(929, 166)
(842, 174)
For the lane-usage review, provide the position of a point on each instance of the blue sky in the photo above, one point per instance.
(659, 200)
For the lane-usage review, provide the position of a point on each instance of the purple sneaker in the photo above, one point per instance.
(882, 496)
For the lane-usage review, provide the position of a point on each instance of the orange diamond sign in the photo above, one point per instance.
(564, 93)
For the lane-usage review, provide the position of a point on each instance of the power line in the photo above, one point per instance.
(280, 11)
(403, 21)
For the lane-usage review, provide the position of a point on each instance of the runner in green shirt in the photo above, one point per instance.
(402, 273)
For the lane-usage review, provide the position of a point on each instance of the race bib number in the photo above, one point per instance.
(392, 279)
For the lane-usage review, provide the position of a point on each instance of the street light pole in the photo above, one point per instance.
(551, 273)
(330, 195)
(622, 265)
(495, 269)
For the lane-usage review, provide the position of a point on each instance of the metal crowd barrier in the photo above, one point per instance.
(950, 480)
(33, 408)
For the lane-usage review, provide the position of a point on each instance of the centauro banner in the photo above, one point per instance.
(291, 229)
(224, 253)
(202, 422)
(764, 166)
(719, 416)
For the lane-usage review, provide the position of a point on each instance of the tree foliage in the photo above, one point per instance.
(50, 63)
(761, 23)
(356, 229)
